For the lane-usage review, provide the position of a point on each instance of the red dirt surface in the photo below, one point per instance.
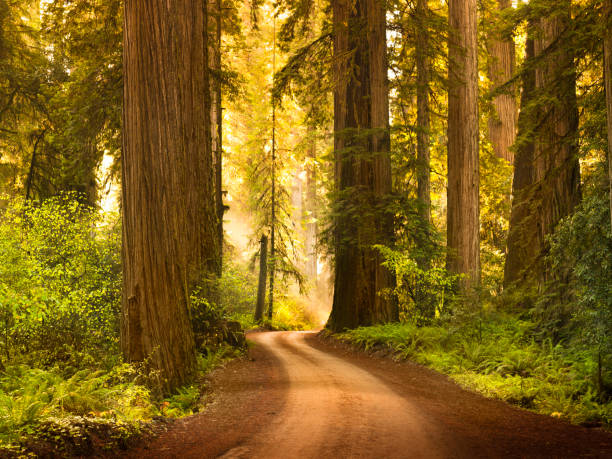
(302, 397)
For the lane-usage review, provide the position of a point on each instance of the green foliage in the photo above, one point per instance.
(28, 396)
(423, 294)
(60, 281)
(291, 314)
(62, 406)
(578, 304)
(237, 289)
(501, 358)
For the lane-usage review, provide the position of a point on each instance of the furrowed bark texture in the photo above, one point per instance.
(608, 83)
(503, 122)
(522, 246)
(423, 125)
(549, 181)
(167, 195)
(463, 209)
(363, 167)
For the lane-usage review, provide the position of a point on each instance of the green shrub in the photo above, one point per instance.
(60, 283)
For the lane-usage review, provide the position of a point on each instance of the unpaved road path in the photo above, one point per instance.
(299, 397)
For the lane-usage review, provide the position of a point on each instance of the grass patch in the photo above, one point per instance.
(500, 358)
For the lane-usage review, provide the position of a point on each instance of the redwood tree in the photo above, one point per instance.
(502, 123)
(362, 165)
(167, 195)
(608, 84)
(423, 67)
(547, 176)
(463, 209)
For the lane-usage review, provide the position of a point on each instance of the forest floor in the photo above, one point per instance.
(300, 396)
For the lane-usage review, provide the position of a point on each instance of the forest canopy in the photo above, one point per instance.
(431, 176)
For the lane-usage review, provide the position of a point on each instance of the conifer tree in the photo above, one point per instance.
(362, 165)
(167, 193)
(501, 58)
(608, 84)
(547, 172)
(463, 209)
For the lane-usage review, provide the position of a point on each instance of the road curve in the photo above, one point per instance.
(336, 409)
(298, 396)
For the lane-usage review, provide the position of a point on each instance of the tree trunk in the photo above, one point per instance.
(608, 83)
(311, 214)
(555, 188)
(520, 248)
(463, 210)
(502, 123)
(167, 195)
(273, 191)
(363, 166)
(263, 274)
(423, 126)
(216, 119)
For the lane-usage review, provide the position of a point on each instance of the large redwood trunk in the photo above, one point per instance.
(167, 196)
(553, 168)
(423, 125)
(522, 246)
(503, 122)
(463, 209)
(608, 83)
(363, 166)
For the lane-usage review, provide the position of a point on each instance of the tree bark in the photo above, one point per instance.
(263, 274)
(463, 209)
(520, 248)
(608, 84)
(362, 165)
(555, 171)
(167, 195)
(216, 120)
(311, 214)
(423, 124)
(503, 122)
(273, 189)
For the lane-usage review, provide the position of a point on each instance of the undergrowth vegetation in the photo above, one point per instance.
(62, 380)
(545, 347)
(502, 357)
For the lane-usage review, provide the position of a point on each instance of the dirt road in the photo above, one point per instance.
(303, 398)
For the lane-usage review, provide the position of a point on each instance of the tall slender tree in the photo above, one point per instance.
(310, 237)
(501, 58)
(423, 111)
(463, 209)
(167, 195)
(548, 174)
(216, 117)
(608, 85)
(520, 246)
(273, 186)
(362, 165)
